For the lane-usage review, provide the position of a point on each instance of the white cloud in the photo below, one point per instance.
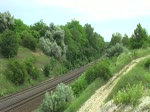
(98, 10)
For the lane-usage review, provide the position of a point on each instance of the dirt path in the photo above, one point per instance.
(96, 100)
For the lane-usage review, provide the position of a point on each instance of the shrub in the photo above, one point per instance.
(79, 85)
(129, 95)
(16, 72)
(28, 41)
(101, 69)
(32, 71)
(46, 70)
(147, 63)
(9, 44)
(57, 101)
(90, 74)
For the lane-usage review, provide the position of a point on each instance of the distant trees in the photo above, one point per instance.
(125, 40)
(9, 44)
(82, 42)
(116, 38)
(6, 21)
(40, 27)
(139, 37)
(95, 42)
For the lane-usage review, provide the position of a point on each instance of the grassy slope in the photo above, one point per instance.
(24, 53)
(116, 63)
(137, 75)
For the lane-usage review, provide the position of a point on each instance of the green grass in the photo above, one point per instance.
(117, 63)
(137, 75)
(77, 103)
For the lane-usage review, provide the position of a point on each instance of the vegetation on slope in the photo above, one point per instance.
(126, 94)
(50, 50)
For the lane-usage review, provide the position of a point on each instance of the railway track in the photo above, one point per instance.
(16, 100)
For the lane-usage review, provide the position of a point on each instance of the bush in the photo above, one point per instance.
(57, 101)
(9, 44)
(101, 69)
(147, 63)
(46, 70)
(79, 85)
(28, 41)
(129, 95)
(16, 72)
(32, 71)
(90, 74)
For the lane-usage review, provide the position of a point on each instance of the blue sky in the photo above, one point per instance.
(106, 16)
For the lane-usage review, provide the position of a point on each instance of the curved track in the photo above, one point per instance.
(17, 100)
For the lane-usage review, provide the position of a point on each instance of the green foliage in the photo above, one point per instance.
(79, 85)
(20, 26)
(16, 72)
(32, 71)
(137, 75)
(46, 70)
(40, 27)
(28, 40)
(101, 69)
(6, 21)
(52, 43)
(115, 50)
(125, 40)
(84, 96)
(9, 44)
(129, 95)
(147, 63)
(58, 100)
(82, 43)
(116, 38)
(139, 37)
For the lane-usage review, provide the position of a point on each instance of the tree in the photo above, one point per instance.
(52, 43)
(125, 40)
(9, 44)
(116, 38)
(20, 26)
(95, 42)
(40, 27)
(139, 37)
(6, 21)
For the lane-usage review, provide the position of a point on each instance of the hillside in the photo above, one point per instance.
(100, 95)
(23, 54)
